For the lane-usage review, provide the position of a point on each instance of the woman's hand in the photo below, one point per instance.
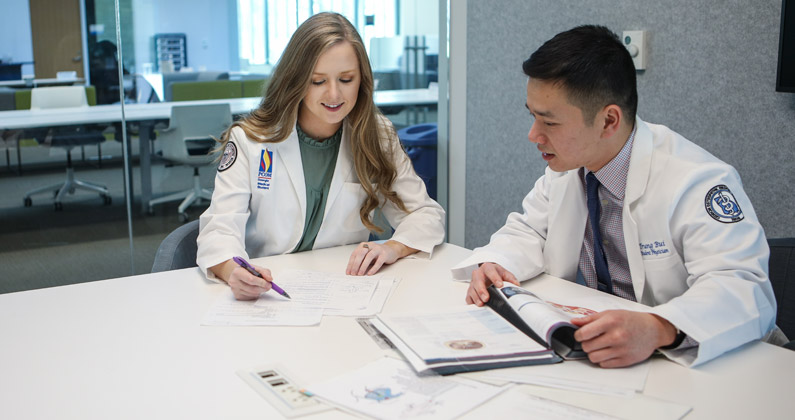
(369, 257)
(244, 285)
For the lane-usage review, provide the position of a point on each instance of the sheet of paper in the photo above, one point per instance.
(389, 389)
(334, 292)
(313, 294)
(227, 310)
(636, 406)
(383, 289)
(578, 375)
(515, 404)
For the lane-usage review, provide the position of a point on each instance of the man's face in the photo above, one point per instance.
(562, 136)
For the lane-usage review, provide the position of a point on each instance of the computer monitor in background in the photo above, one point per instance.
(785, 77)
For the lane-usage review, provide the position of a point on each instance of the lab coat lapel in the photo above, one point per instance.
(566, 230)
(342, 169)
(290, 153)
(637, 179)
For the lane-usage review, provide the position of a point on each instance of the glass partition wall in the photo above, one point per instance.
(132, 60)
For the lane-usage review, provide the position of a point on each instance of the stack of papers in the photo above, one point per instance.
(389, 389)
(313, 293)
(575, 375)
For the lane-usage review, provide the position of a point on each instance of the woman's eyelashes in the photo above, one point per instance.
(320, 82)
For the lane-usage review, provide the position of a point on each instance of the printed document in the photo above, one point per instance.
(389, 389)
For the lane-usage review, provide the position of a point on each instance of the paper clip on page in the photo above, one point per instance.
(281, 392)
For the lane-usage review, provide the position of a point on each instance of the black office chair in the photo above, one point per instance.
(178, 250)
(782, 277)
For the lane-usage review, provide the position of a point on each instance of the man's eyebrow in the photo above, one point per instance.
(539, 113)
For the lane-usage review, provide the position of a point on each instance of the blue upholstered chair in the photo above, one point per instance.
(178, 250)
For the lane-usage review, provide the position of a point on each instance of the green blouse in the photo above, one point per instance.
(318, 159)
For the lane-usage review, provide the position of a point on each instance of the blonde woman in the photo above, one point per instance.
(308, 167)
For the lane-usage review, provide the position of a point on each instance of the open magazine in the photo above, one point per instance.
(460, 339)
(516, 329)
(548, 323)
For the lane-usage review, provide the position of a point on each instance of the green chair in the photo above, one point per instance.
(216, 89)
(22, 97)
(254, 88)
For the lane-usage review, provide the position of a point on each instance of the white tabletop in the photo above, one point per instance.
(42, 82)
(102, 114)
(133, 348)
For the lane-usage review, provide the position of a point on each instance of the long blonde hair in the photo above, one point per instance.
(273, 120)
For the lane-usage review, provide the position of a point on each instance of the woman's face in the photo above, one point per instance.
(332, 92)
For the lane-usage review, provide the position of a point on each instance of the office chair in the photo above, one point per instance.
(66, 138)
(178, 250)
(187, 140)
(782, 277)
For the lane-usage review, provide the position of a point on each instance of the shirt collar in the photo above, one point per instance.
(613, 176)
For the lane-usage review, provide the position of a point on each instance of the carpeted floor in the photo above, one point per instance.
(86, 241)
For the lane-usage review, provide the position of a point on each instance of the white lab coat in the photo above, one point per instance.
(706, 277)
(247, 219)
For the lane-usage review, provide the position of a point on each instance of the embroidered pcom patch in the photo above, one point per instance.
(722, 206)
(265, 170)
(229, 157)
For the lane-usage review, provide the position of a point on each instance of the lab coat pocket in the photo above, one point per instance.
(667, 277)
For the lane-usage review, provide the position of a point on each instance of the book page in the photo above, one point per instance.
(461, 333)
(541, 316)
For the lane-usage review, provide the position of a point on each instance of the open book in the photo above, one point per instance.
(518, 329)
(548, 323)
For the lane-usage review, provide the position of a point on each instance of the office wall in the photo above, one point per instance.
(711, 77)
(16, 41)
(209, 25)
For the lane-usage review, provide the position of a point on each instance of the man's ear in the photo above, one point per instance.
(610, 119)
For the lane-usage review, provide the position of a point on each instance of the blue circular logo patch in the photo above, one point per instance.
(229, 157)
(722, 206)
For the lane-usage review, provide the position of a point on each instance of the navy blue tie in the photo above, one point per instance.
(604, 283)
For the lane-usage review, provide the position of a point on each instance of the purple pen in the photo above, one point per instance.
(243, 263)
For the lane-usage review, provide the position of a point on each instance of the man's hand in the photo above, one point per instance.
(619, 338)
(486, 275)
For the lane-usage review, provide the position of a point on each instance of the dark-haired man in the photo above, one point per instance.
(632, 209)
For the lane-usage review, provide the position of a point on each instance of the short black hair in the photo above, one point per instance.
(593, 66)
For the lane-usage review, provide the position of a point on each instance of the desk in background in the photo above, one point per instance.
(133, 348)
(148, 114)
(42, 82)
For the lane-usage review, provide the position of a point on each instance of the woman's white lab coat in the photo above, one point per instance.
(259, 202)
(706, 274)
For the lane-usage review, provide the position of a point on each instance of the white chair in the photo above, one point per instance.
(66, 138)
(187, 140)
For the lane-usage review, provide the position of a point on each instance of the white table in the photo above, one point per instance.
(42, 82)
(150, 113)
(133, 348)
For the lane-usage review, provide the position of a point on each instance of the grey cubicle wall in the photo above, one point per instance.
(711, 76)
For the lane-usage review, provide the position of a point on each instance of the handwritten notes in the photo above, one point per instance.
(313, 293)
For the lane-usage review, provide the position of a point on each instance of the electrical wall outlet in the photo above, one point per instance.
(635, 41)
